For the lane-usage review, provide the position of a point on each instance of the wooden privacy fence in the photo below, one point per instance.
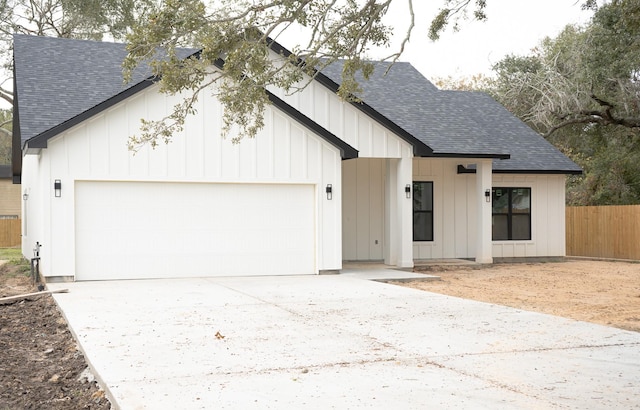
(604, 231)
(10, 232)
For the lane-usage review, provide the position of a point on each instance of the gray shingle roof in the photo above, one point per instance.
(60, 79)
(456, 122)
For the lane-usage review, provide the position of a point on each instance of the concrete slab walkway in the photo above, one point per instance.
(338, 341)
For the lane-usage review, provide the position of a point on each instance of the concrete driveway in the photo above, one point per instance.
(338, 342)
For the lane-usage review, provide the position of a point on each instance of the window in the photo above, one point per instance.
(511, 209)
(423, 211)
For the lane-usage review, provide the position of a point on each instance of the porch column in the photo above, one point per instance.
(483, 185)
(398, 214)
(390, 212)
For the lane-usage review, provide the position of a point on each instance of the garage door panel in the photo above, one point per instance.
(153, 230)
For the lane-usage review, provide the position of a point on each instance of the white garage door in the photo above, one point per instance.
(129, 230)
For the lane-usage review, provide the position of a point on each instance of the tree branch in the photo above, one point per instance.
(6, 95)
(6, 132)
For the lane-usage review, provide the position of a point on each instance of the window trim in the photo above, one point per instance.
(510, 213)
(430, 212)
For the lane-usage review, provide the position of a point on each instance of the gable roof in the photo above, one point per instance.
(457, 123)
(61, 82)
(58, 79)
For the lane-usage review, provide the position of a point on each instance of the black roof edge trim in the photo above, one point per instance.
(538, 171)
(40, 140)
(464, 170)
(420, 149)
(479, 156)
(16, 137)
(346, 150)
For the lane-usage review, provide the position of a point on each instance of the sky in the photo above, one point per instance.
(513, 27)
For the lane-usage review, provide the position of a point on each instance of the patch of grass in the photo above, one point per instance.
(17, 264)
(9, 254)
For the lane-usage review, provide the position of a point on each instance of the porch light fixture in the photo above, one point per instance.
(25, 196)
(487, 195)
(57, 188)
(329, 191)
(407, 190)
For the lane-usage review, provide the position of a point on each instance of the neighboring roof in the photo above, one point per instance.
(457, 123)
(5, 171)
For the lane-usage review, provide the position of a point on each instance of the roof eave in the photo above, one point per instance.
(470, 155)
(464, 170)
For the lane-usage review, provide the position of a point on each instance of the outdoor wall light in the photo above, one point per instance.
(487, 195)
(407, 190)
(25, 196)
(329, 191)
(57, 188)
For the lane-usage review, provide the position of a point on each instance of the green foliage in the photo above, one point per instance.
(453, 12)
(7, 254)
(239, 32)
(582, 90)
(478, 82)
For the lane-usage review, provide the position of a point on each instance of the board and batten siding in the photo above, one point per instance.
(364, 191)
(363, 209)
(347, 122)
(96, 150)
(454, 211)
(547, 216)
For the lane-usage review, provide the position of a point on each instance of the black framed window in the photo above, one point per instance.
(511, 210)
(423, 211)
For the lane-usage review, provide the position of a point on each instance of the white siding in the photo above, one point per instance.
(284, 152)
(363, 209)
(347, 122)
(547, 216)
(455, 212)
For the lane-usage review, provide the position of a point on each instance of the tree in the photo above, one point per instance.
(581, 90)
(241, 31)
(587, 75)
(86, 19)
(478, 82)
(5, 137)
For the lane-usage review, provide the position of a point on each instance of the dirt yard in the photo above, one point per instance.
(607, 293)
(41, 366)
